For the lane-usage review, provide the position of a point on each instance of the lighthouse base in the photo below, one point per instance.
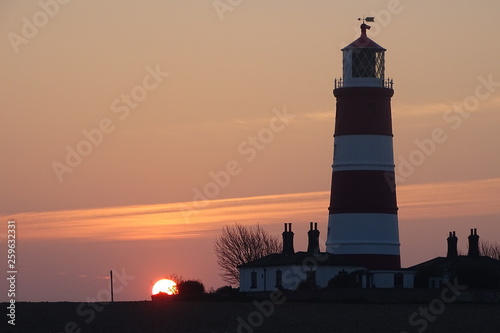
(373, 261)
(369, 239)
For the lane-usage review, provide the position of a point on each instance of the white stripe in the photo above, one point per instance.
(363, 152)
(363, 233)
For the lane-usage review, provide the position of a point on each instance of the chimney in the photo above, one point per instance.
(473, 243)
(452, 245)
(288, 239)
(313, 246)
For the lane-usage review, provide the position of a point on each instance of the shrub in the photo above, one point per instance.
(343, 280)
(191, 288)
(226, 291)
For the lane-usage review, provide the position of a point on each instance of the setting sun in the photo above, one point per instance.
(166, 286)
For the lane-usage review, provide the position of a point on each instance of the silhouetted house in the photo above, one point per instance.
(161, 297)
(472, 270)
(314, 269)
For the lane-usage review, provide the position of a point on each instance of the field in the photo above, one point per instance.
(245, 316)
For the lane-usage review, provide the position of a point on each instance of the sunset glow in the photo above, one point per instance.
(166, 286)
(166, 221)
(134, 132)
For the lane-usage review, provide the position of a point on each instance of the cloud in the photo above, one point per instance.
(163, 221)
(320, 115)
(451, 199)
(432, 108)
(402, 109)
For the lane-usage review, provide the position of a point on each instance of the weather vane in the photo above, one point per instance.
(366, 19)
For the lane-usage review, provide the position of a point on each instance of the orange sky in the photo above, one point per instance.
(206, 85)
(185, 220)
(152, 241)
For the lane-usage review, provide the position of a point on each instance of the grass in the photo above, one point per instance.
(251, 316)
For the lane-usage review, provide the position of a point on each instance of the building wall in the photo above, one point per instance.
(383, 280)
(292, 276)
(409, 280)
(386, 279)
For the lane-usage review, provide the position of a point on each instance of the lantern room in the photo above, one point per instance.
(363, 63)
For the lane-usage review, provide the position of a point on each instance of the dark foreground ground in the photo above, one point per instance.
(253, 316)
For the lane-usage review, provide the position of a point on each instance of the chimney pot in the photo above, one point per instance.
(288, 240)
(452, 246)
(473, 244)
(313, 235)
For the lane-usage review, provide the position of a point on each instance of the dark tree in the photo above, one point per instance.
(239, 244)
(226, 291)
(489, 249)
(343, 280)
(191, 288)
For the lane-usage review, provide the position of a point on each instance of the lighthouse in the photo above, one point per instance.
(363, 220)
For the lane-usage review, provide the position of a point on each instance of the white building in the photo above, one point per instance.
(313, 269)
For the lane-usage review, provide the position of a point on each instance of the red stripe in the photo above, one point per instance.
(373, 261)
(363, 110)
(363, 191)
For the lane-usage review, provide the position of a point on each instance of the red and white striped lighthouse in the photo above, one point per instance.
(363, 221)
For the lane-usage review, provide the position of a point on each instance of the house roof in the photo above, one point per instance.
(447, 263)
(300, 258)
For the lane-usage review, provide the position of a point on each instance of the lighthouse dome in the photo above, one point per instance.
(363, 62)
(363, 42)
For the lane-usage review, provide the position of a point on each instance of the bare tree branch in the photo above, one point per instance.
(238, 244)
(490, 249)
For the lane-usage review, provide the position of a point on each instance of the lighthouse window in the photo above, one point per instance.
(371, 108)
(363, 63)
(367, 63)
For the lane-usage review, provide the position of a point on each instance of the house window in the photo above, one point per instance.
(253, 279)
(279, 279)
(436, 282)
(398, 280)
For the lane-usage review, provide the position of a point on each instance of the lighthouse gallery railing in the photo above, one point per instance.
(387, 83)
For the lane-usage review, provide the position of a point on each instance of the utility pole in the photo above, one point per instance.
(111, 278)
